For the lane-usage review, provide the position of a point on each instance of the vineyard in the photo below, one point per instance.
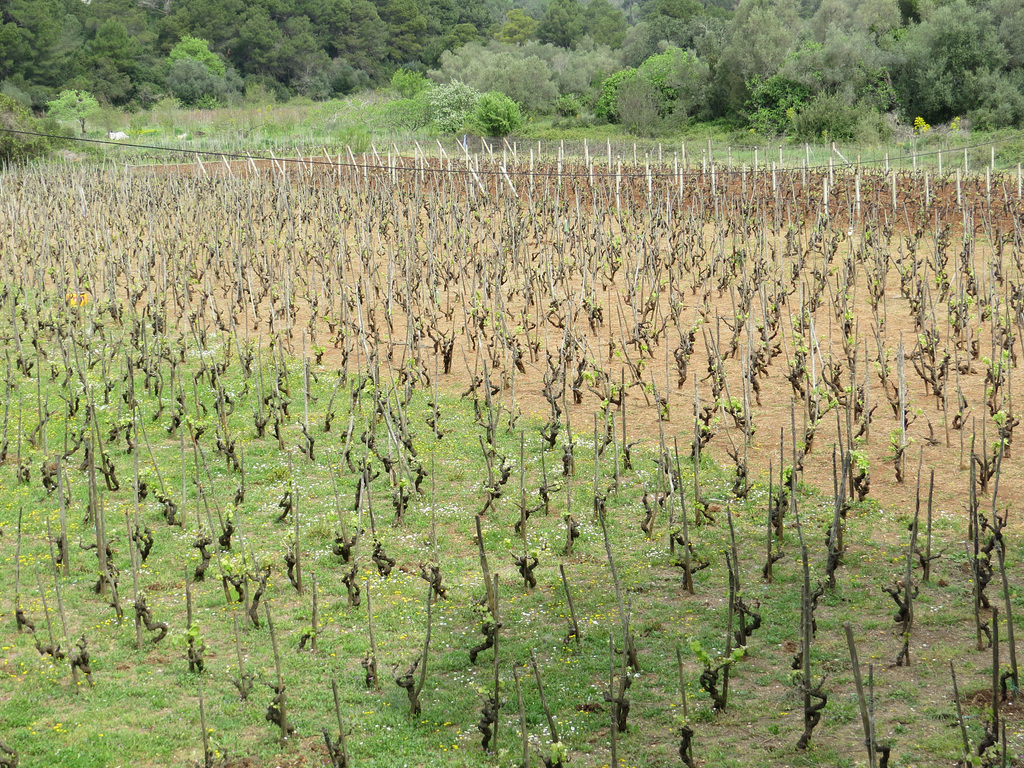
(495, 461)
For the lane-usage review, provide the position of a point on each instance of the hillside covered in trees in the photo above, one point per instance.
(828, 69)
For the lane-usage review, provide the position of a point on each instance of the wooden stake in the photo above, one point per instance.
(687, 573)
(552, 728)
(280, 678)
(483, 566)
(63, 545)
(341, 724)
(995, 669)
(928, 530)
(522, 711)
(316, 613)
(497, 690)
(960, 719)
(207, 753)
(613, 704)
(373, 644)
(298, 544)
(1009, 616)
(869, 736)
(572, 609)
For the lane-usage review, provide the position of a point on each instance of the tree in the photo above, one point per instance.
(73, 105)
(605, 23)
(197, 49)
(879, 17)
(671, 83)
(303, 64)
(37, 41)
(657, 71)
(113, 63)
(259, 43)
(1010, 14)
(684, 10)
(496, 114)
(207, 19)
(412, 114)
(845, 63)
(15, 48)
(532, 74)
(763, 34)
(451, 23)
(638, 107)
(642, 41)
(686, 80)
(826, 118)
(353, 31)
(670, 22)
(580, 71)
(1002, 105)
(61, 60)
(407, 27)
(457, 37)
(562, 24)
(518, 27)
(191, 82)
(946, 62)
(831, 18)
(513, 70)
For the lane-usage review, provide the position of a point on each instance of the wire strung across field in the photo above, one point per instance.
(651, 174)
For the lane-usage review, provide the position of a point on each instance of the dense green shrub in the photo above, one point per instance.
(607, 103)
(533, 75)
(15, 148)
(412, 114)
(773, 102)
(451, 104)
(496, 115)
(873, 128)
(681, 79)
(1003, 104)
(568, 106)
(198, 50)
(195, 85)
(945, 62)
(409, 84)
(639, 106)
(826, 118)
(674, 84)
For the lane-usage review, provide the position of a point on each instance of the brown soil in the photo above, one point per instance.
(422, 246)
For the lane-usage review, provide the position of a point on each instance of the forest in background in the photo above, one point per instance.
(839, 70)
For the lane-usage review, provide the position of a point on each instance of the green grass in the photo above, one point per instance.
(360, 123)
(143, 709)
